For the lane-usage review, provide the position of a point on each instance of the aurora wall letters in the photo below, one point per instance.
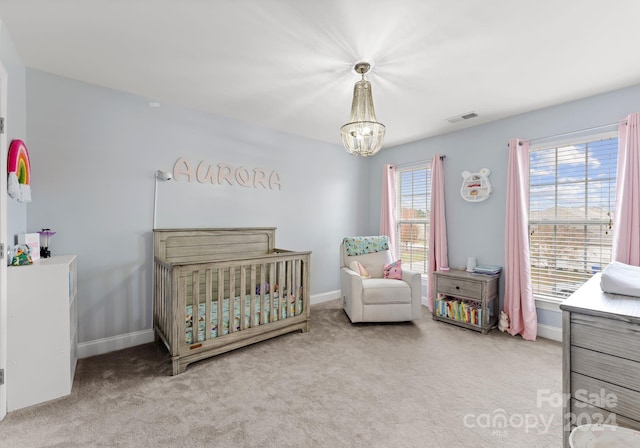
(224, 173)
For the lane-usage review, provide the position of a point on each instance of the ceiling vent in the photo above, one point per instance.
(462, 117)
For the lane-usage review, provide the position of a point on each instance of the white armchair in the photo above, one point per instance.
(377, 299)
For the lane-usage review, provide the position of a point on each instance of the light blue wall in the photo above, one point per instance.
(16, 123)
(477, 229)
(94, 152)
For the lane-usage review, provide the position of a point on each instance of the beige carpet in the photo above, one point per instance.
(425, 384)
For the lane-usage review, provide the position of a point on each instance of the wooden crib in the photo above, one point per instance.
(216, 290)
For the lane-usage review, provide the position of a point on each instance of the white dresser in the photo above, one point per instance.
(601, 358)
(41, 331)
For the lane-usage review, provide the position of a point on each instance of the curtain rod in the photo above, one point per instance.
(563, 134)
(418, 162)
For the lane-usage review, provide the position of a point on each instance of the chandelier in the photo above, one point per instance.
(363, 135)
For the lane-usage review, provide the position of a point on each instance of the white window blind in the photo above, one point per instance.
(571, 213)
(413, 202)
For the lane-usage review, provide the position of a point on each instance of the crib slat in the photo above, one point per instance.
(195, 305)
(273, 281)
(252, 292)
(243, 296)
(263, 304)
(282, 288)
(300, 285)
(207, 308)
(295, 278)
(220, 300)
(291, 291)
(232, 299)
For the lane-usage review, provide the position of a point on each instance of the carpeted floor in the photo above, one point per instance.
(424, 384)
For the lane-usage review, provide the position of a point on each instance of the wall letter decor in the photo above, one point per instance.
(210, 176)
(224, 173)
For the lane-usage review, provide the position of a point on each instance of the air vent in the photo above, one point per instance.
(458, 118)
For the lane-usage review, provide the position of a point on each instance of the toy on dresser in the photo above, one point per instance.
(20, 255)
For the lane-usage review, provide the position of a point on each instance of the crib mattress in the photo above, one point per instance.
(293, 307)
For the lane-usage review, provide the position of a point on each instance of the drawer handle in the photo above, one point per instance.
(457, 287)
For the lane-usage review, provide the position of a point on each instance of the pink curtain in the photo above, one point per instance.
(388, 207)
(518, 295)
(626, 231)
(437, 257)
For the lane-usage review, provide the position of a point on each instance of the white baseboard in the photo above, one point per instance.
(324, 297)
(106, 345)
(111, 344)
(549, 332)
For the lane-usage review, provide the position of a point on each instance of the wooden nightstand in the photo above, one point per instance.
(466, 299)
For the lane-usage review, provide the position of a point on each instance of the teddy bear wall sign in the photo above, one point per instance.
(476, 186)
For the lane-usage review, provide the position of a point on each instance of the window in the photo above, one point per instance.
(413, 203)
(571, 212)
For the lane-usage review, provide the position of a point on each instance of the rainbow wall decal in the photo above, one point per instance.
(19, 169)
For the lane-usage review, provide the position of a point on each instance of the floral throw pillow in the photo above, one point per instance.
(393, 270)
(360, 245)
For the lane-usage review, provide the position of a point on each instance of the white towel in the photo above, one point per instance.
(620, 278)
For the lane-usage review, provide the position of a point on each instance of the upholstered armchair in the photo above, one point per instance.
(367, 296)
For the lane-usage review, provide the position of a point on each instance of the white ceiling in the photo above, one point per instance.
(287, 64)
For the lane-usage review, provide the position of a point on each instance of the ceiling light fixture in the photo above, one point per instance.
(363, 135)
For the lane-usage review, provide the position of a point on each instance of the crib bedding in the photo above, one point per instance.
(293, 307)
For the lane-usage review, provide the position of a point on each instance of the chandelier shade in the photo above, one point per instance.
(363, 135)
